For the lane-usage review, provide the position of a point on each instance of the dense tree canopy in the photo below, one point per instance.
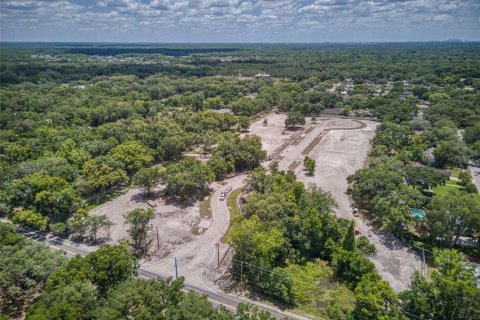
(24, 267)
(98, 286)
(451, 293)
(286, 224)
(453, 215)
(75, 127)
(146, 179)
(187, 179)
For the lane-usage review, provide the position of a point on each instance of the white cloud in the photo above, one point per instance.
(283, 16)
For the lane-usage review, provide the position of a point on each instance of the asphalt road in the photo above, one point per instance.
(475, 171)
(72, 248)
(389, 266)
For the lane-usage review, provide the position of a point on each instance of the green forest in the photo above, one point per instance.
(81, 124)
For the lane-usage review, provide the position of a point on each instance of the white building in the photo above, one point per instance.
(262, 75)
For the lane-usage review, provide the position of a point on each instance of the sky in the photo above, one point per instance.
(234, 21)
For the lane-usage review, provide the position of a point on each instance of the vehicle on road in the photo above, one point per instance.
(355, 212)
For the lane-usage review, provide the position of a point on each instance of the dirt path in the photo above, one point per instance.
(273, 134)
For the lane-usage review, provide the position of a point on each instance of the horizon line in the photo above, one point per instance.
(453, 40)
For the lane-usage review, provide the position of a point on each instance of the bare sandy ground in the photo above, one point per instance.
(340, 148)
(175, 225)
(194, 256)
(173, 222)
(274, 134)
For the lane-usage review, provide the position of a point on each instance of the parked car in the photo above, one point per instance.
(355, 229)
(355, 212)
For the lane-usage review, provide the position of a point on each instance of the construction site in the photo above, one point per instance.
(186, 243)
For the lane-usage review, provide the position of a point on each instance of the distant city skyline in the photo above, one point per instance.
(239, 21)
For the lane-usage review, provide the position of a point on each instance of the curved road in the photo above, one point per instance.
(191, 270)
(72, 248)
(394, 262)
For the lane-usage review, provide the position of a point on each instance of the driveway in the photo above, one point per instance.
(193, 257)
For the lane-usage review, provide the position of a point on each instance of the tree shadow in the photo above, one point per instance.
(144, 197)
(82, 240)
(293, 129)
(392, 242)
(101, 240)
(177, 202)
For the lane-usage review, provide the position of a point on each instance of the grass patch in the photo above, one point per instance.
(310, 129)
(93, 204)
(312, 144)
(235, 213)
(317, 293)
(447, 188)
(456, 172)
(205, 210)
(293, 165)
(453, 183)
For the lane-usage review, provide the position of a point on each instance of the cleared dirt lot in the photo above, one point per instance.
(174, 222)
(194, 256)
(340, 147)
(338, 153)
(178, 229)
(273, 134)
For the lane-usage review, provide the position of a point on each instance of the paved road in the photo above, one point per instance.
(475, 171)
(390, 264)
(222, 218)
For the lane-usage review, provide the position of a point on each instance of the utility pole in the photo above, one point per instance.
(424, 264)
(423, 269)
(158, 240)
(218, 254)
(241, 271)
(176, 268)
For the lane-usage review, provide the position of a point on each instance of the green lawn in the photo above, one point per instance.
(455, 172)
(205, 211)
(453, 183)
(317, 293)
(449, 187)
(235, 213)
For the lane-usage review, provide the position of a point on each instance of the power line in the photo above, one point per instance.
(253, 276)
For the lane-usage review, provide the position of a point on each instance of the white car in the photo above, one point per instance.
(355, 212)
